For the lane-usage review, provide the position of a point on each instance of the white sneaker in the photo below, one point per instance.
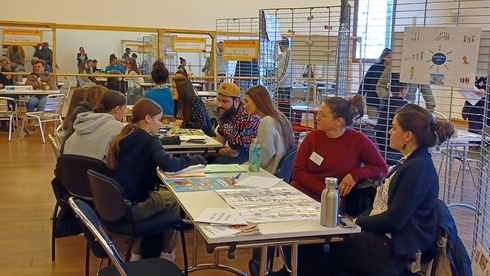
(135, 257)
(168, 256)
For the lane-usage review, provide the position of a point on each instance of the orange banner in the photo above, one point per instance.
(188, 44)
(242, 50)
(22, 37)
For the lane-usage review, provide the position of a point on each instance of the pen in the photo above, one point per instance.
(236, 178)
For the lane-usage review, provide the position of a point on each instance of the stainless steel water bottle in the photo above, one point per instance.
(329, 214)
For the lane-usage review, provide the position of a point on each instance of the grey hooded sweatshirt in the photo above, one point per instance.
(93, 134)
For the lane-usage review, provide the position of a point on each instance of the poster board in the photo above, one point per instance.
(444, 56)
(480, 265)
(314, 49)
(240, 50)
(21, 37)
(189, 44)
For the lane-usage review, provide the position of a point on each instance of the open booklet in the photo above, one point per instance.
(202, 170)
(226, 222)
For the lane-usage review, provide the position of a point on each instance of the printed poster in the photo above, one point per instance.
(479, 263)
(444, 56)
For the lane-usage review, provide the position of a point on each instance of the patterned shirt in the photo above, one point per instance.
(239, 130)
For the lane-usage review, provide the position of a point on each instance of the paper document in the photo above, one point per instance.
(221, 216)
(259, 181)
(185, 137)
(191, 171)
(229, 230)
(470, 94)
(223, 168)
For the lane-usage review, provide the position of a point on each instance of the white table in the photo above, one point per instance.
(207, 93)
(464, 139)
(273, 234)
(28, 92)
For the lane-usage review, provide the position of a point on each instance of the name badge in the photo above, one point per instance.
(316, 158)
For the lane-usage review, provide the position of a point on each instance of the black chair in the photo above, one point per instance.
(103, 248)
(71, 177)
(115, 213)
(285, 168)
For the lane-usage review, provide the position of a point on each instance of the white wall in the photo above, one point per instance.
(184, 14)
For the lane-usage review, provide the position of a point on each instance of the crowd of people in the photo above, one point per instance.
(401, 221)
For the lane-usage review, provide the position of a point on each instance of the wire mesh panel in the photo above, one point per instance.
(462, 162)
(245, 73)
(300, 54)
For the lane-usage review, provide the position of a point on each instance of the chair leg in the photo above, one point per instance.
(87, 260)
(11, 124)
(184, 252)
(41, 127)
(53, 231)
(128, 252)
(23, 125)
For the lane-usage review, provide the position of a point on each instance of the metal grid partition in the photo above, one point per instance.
(245, 74)
(463, 161)
(304, 56)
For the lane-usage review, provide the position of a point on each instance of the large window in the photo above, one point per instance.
(372, 23)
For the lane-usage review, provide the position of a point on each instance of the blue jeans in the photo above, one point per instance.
(244, 85)
(36, 103)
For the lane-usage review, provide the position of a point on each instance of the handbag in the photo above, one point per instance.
(361, 197)
(172, 140)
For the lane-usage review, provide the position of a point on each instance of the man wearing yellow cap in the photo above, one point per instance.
(235, 127)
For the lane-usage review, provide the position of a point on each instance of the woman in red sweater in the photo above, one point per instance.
(336, 150)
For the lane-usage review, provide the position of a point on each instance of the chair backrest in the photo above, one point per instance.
(54, 103)
(97, 239)
(65, 88)
(108, 197)
(54, 146)
(71, 171)
(285, 168)
(7, 106)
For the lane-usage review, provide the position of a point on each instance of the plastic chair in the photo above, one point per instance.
(8, 111)
(51, 113)
(285, 168)
(71, 174)
(115, 213)
(54, 146)
(65, 89)
(103, 248)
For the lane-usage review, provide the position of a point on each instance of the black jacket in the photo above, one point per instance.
(140, 155)
(412, 199)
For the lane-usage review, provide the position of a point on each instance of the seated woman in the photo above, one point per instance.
(336, 150)
(133, 158)
(95, 130)
(275, 133)
(403, 219)
(76, 97)
(189, 107)
(276, 139)
(90, 99)
(161, 93)
(84, 81)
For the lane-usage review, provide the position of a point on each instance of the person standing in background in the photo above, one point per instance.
(284, 71)
(246, 69)
(16, 55)
(81, 56)
(126, 55)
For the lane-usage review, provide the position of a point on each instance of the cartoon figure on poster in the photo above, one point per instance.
(452, 55)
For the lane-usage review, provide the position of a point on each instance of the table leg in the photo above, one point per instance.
(263, 263)
(294, 259)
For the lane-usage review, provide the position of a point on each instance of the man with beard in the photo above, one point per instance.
(235, 127)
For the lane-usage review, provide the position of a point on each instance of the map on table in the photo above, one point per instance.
(199, 184)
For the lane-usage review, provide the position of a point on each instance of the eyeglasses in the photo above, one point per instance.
(321, 114)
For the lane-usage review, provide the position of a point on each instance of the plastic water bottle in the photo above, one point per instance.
(329, 214)
(254, 156)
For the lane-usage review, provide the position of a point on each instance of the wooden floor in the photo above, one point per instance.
(26, 204)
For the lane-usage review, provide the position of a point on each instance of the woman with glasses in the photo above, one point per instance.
(334, 149)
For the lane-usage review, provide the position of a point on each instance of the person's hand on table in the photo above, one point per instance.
(228, 152)
(200, 160)
(346, 185)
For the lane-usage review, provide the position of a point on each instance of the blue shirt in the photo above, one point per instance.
(117, 67)
(162, 97)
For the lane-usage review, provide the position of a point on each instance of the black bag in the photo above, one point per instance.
(361, 197)
(66, 221)
(172, 140)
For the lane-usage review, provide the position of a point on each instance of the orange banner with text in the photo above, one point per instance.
(189, 44)
(21, 37)
(242, 50)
